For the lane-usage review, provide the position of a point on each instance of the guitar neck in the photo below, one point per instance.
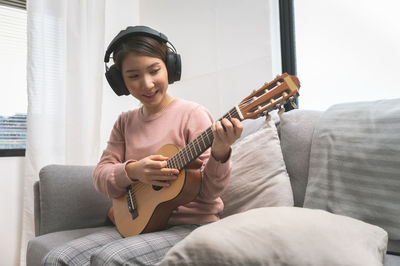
(199, 145)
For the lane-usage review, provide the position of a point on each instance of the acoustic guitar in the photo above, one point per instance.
(146, 208)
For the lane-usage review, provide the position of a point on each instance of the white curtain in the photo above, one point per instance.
(65, 87)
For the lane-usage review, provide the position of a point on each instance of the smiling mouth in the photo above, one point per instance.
(150, 95)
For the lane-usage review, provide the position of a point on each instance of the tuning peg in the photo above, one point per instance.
(281, 110)
(292, 102)
(268, 117)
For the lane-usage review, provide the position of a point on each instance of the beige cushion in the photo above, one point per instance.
(259, 177)
(282, 236)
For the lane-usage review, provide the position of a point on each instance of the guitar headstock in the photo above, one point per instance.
(272, 95)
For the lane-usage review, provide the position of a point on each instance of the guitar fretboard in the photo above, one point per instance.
(197, 146)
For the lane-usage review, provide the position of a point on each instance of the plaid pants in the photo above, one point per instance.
(109, 248)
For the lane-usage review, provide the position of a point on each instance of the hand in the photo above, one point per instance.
(225, 134)
(151, 170)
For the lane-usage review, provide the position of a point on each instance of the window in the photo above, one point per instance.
(346, 51)
(13, 92)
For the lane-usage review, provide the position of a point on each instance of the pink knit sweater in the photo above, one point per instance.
(135, 136)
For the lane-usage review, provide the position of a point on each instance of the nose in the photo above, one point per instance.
(147, 82)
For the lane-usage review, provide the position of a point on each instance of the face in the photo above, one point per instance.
(147, 80)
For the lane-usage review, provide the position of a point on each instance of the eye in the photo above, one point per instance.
(133, 76)
(154, 71)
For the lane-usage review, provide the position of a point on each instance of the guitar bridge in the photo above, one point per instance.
(130, 199)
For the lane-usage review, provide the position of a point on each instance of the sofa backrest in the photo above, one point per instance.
(62, 186)
(296, 131)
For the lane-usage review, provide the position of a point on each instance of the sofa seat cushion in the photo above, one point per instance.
(41, 245)
(282, 236)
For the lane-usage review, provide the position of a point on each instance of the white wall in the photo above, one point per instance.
(11, 173)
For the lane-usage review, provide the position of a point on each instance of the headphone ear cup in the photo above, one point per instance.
(116, 81)
(174, 67)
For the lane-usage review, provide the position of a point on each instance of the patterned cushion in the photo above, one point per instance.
(355, 164)
(259, 177)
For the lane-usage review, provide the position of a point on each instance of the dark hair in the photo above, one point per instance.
(141, 45)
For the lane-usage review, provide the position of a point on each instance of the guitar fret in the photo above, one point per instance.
(198, 145)
(191, 153)
(187, 157)
(171, 163)
(183, 158)
(180, 163)
(208, 137)
(200, 142)
(205, 145)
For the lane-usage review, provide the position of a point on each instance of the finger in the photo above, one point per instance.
(156, 164)
(237, 126)
(158, 157)
(227, 124)
(219, 129)
(153, 173)
(170, 171)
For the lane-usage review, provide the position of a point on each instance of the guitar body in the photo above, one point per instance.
(154, 207)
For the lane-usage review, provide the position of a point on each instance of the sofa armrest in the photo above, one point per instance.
(67, 199)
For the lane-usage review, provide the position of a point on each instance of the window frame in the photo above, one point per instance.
(288, 45)
(12, 152)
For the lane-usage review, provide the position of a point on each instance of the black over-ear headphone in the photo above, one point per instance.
(114, 76)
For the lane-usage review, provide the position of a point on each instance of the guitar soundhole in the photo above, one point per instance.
(157, 188)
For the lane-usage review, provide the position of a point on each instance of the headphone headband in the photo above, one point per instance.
(131, 31)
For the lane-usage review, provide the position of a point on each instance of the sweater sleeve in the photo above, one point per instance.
(110, 177)
(215, 175)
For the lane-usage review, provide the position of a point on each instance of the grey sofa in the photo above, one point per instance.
(67, 205)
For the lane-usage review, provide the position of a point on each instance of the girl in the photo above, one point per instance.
(143, 66)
